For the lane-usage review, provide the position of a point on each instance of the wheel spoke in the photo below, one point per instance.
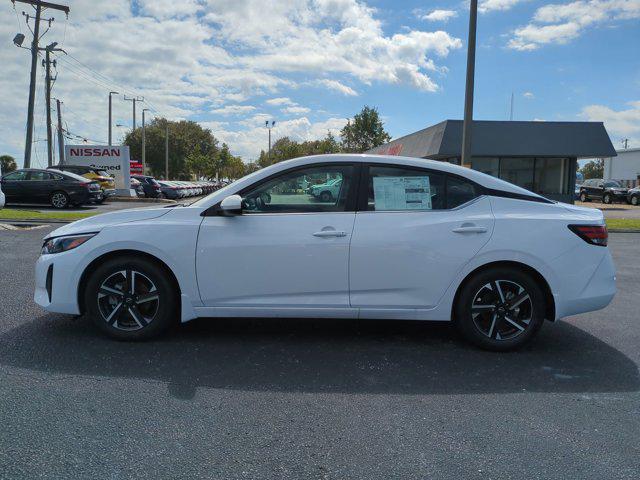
(483, 307)
(495, 286)
(137, 316)
(147, 297)
(514, 323)
(108, 291)
(513, 303)
(494, 320)
(115, 313)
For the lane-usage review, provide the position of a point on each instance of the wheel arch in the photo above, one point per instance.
(121, 253)
(550, 307)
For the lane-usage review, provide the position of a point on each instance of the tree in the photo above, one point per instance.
(364, 132)
(184, 138)
(7, 164)
(593, 169)
(234, 168)
(284, 148)
(199, 164)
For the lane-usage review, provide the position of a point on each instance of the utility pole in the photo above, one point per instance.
(144, 149)
(39, 5)
(626, 143)
(269, 127)
(166, 150)
(468, 94)
(511, 114)
(134, 100)
(47, 94)
(110, 121)
(60, 137)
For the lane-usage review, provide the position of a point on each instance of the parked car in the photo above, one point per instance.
(328, 191)
(137, 186)
(149, 184)
(496, 259)
(1, 192)
(169, 190)
(606, 191)
(633, 196)
(60, 189)
(576, 192)
(107, 183)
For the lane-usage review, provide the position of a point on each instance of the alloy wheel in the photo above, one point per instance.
(502, 309)
(59, 200)
(634, 200)
(128, 300)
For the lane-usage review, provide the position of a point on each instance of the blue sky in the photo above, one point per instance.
(310, 64)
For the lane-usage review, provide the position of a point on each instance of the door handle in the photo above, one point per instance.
(469, 229)
(329, 233)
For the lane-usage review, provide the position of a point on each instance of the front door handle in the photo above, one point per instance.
(329, 233)
(470, 229)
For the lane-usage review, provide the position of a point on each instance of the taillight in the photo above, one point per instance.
(593, 234)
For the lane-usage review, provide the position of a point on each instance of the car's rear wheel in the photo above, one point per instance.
(59, 200)
(500, 309)
(583, 197)
(326, 197)
(634, 200)
(606, 198)
(130, 298)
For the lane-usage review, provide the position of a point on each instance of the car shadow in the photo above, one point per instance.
(346, 356)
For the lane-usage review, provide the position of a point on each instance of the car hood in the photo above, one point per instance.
(97, 223)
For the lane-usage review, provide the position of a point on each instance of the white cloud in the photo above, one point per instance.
(620, 124)
(440, 15)
(528, 95)
(295, 110)
(234, 110)
(280, 101)
(561, 23)
(485, 6)
(337, 86)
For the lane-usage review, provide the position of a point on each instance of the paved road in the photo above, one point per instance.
(254, 399)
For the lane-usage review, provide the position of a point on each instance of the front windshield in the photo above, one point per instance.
(612, 184)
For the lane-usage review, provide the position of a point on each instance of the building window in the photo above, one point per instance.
(490, 166)
(551, 176)
(518, 171)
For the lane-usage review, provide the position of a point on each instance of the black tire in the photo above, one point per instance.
(634, 200)
(486, 327)
(154, 316)
(59, 199)
(583, 197)
(606, 198)
(326, 196)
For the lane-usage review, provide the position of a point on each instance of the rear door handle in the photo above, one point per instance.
(470, 229)
(329, 233)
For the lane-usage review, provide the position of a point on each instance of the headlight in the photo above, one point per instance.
(62, 244)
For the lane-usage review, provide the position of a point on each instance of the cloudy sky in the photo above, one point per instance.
(310, 64)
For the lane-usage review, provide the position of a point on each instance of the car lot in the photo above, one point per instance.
(315, 398)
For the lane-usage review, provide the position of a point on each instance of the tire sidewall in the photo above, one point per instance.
(66, 197)
(462, 310)
(167, 309)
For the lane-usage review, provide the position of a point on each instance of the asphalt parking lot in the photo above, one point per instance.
(229, 399)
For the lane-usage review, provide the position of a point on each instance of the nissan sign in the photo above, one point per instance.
(112, 159)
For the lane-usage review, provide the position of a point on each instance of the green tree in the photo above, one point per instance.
(593, 169)
(234, 168)
(199, 164)
(184, 137)
(7, 164)
(364, 131)
(284, 148)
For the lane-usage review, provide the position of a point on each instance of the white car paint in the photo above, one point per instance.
(405, 265)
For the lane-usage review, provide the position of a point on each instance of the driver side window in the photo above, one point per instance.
(306, 190)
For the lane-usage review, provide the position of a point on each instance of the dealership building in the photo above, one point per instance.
(539, 156)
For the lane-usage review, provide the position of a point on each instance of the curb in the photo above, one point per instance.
(38, 221)
(143, 200)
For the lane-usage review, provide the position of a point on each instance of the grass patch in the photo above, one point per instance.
(15, 214)
(623, 223)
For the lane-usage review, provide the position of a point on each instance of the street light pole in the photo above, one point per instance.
(166, 150)
(269, 127)
(468, 95)
(144, 146)
(110, 121)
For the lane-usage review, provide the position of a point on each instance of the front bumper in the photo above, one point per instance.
(109, 192)
(55, 284)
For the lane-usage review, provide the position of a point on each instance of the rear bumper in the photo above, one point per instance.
(109, 192)
(598, 291)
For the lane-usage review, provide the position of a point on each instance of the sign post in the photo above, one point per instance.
(112, 159)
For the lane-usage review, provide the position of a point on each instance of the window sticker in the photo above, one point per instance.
(402, 193)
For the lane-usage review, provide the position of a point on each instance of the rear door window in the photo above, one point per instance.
(404, 189)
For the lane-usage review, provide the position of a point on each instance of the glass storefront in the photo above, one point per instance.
(546, 176)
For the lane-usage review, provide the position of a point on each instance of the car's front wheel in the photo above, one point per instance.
(131, 298)
(500, 309)
(59, 200)
(606, 198)
(583, 197)
(634, 200)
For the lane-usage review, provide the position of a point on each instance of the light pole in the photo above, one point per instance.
(110, 121)
(468, 94)
(269, 127)
(144, 149)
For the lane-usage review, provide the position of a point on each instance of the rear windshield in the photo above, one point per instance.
(102, 173)
(72, 175)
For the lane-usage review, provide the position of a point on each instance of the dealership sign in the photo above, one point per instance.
(112, 159)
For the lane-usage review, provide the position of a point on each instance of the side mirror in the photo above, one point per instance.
(231, 205)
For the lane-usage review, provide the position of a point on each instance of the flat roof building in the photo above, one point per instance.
(539, 156)
(625, 169)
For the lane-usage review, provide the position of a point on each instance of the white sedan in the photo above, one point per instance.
(404, 238)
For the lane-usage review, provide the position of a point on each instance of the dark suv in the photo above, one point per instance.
(150, 186)
(606, 191)
(60, 189)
